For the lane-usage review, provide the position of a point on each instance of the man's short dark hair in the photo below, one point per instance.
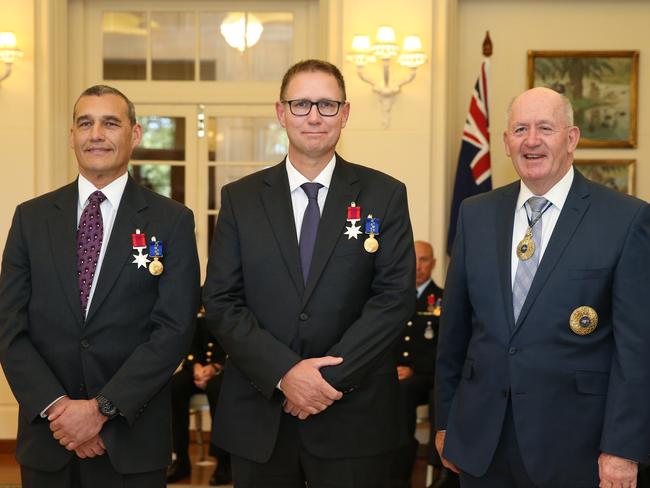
(98, 91)
(309, 66)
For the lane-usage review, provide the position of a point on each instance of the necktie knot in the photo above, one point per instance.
(96, 197)
(537, 204)
(311, 190)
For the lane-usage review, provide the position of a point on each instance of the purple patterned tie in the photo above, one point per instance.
(90, 235)
(309, 227)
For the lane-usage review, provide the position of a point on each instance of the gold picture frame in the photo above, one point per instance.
(603, 89)
(618, 174)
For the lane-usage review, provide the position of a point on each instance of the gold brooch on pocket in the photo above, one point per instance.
(584, 320)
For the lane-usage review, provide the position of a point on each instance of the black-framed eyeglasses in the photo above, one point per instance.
(301, 107)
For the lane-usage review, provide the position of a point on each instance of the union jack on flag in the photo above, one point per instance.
(473, 174)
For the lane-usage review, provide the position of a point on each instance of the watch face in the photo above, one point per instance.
(106, 407)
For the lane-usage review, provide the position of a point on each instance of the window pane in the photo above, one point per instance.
(273, 54)
(245, 45)
(164, 179)
(246, 139)
(172, 45)
(163, 139)
(227, 173)
(212, 221)
(125, 45)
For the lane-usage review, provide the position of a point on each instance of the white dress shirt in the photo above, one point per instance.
(299, 198)
(557, 196)
(420, 289)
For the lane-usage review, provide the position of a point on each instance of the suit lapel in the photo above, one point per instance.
(279, 210)
(344, 188)
(119, 244)
(574, 209)
(505, 217)
(63, 238)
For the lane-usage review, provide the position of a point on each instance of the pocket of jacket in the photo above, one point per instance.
(588, 274)
(592, 382)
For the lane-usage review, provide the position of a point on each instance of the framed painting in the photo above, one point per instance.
(618, 174)
(602, 87)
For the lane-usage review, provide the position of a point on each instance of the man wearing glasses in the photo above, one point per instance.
(543, 371)
(310, 277)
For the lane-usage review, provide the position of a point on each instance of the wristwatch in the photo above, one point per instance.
(106, 407)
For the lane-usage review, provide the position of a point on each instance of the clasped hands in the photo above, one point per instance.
(306, 391)
(76, 425)
(202, 374)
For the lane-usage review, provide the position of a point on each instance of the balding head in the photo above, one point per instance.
(424, 262)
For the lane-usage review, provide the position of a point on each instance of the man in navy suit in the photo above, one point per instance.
(543, 370)
(309, 281)
(91, 329)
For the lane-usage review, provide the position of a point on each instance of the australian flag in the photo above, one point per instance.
(473, 174)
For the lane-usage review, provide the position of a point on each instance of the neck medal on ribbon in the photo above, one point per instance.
(354, 215)
(526, 246)
(372, 229)
(156, 252)
(139, 243)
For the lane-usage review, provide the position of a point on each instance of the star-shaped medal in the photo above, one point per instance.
(353, 231)
(141, 259)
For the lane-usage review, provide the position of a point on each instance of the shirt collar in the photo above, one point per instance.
(557, 195)
(296, 178)
(113, 191)
(420, 289)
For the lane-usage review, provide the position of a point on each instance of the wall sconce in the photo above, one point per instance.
(241, 30)
(8, 52)
(385, 48)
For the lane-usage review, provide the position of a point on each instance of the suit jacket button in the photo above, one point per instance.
(512, 350)
(85, 344)
(303, 316)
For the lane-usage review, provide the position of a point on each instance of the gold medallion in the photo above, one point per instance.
(370, 244)
(584, 320)
(156, 267)
(526, 247)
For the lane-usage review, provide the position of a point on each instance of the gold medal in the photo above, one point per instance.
(584, 320)
(526, 246)
(156, 267)
(371, 244)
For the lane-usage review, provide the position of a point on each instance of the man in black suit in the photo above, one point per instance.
(415, 355)
(543, 371)
(94, 318)
(200, 373)
(308, 306)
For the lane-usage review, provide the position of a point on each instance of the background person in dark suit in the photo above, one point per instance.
(89, 337)
(415, 355)
(543, 372)
(307, 306)
(200, 373)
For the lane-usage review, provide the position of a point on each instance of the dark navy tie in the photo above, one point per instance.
(309, 227)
